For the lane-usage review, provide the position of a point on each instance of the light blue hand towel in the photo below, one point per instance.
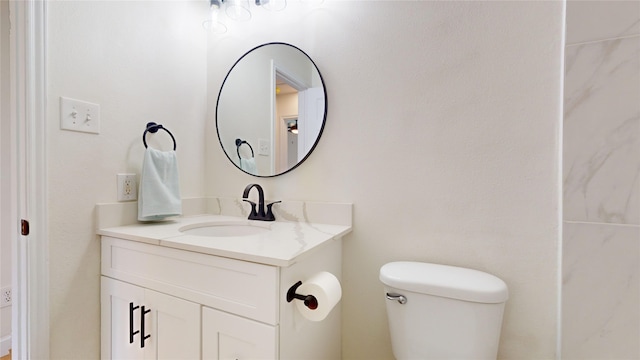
(159, 195)
(249, 165)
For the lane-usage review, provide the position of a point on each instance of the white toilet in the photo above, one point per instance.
(443, 312)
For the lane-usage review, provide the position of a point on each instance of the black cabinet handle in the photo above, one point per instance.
(131, 325)
(143, 337)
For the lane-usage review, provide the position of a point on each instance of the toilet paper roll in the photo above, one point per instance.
(325, 287)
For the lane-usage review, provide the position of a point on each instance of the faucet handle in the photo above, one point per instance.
(270, 216)
(254, 213)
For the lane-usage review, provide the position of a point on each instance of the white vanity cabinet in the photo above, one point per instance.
(203, 306)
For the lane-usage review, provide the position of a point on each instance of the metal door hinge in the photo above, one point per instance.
(24, 227)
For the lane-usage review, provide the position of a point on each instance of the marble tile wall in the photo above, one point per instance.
(601, 161)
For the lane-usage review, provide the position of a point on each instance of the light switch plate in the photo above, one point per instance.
(78, 115)
(264, 147)
(5, 296)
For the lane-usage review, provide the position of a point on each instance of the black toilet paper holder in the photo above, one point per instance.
(310, 301)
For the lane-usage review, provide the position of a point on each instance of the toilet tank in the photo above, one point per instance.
(443, 312)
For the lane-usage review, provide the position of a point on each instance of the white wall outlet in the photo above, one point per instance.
(5, 296)
(77, 115)
(127, 187)
(264, 147)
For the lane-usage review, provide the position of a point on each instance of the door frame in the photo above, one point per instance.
(282, 159)
(30, 263)
(279, 71)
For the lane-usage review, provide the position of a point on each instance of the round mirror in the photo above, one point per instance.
(271, 110)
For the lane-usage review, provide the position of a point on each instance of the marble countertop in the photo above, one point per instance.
(283, 245)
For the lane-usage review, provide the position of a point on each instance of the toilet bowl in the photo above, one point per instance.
(442, 312)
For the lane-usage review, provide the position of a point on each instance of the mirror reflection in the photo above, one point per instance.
(271, 110)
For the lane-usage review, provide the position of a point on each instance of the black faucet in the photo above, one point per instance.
(258, 214)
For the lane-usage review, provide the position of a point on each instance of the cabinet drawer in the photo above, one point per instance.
(240, 287)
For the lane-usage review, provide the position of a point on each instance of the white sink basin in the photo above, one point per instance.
(225, 229)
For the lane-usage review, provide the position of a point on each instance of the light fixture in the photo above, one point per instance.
(292, 126)
(213, 24)
(272, 5)
(237, 10)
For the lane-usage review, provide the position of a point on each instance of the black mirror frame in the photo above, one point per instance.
(324, 119)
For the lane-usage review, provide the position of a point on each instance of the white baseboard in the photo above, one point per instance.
(5, 345)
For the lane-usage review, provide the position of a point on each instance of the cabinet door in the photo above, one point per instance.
(226, 336)
(138, 323)
(120, 320)
(174, 325)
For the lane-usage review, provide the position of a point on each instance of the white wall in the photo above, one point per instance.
(602, 181)
(443, 129)
(6, 222)
(141, 61)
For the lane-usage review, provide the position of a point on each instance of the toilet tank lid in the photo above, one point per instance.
(445, 281)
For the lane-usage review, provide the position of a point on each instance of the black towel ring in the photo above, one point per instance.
(153, 128)
(240, 142)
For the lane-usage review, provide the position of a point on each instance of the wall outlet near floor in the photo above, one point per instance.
(127, 187)
(5, 296)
